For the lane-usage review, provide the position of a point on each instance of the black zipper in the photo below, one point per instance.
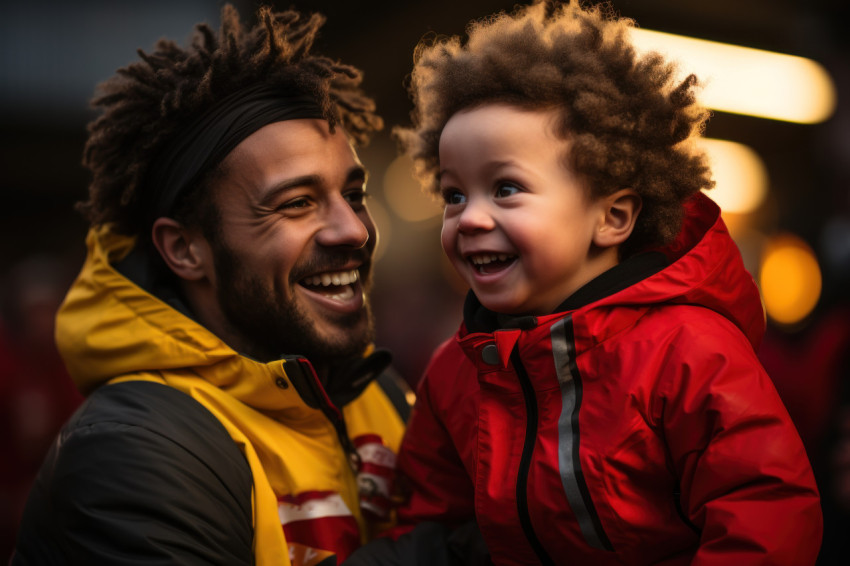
(525, 460)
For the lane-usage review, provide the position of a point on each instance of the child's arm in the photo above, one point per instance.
(746, 482)
(434, 482)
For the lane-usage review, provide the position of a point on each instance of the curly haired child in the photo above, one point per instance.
(602, 402)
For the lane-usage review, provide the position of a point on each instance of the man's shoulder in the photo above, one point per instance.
(154, 418)
(138, 462)
(152, 406)
(397, 390)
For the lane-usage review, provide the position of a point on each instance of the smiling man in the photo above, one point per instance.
(220, 326)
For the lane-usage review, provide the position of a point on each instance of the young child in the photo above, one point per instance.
(602, 402)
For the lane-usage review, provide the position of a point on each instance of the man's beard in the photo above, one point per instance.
(271, 326)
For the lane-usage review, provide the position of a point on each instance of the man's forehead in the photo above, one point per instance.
(284, 152)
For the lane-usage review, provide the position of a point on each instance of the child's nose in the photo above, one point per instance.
(476, 215)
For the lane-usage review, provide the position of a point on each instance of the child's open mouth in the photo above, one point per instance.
(490, 262)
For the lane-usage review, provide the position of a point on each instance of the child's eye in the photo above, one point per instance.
(453, 196)
(506, 190)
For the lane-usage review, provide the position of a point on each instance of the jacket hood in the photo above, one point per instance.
(109, 327)
(702, 267)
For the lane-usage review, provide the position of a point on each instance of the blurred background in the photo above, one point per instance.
(779, 141)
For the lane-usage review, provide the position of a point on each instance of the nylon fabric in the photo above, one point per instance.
(109, 330)
(650, 402)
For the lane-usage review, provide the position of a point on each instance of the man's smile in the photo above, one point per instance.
(338, 286)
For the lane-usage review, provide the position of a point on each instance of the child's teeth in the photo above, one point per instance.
(484, 259)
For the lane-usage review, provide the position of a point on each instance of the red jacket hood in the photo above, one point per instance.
(704, 268)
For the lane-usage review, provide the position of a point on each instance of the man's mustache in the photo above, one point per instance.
(332, 260)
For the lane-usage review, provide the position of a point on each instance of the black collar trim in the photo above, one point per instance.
(625, 274)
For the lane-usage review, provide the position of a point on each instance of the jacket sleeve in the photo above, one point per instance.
(434, 483)
(117, 491)
(428, 544)
(746, 482)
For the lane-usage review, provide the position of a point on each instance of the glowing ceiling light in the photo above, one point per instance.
(748, 81)
(790, 279)
(739, 174)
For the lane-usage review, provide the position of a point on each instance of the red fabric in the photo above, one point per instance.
(317, 524)
(676, 417)
(806, 368)
(36, 397)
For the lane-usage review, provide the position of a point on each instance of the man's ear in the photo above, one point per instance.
(619, 214)
(185, 251)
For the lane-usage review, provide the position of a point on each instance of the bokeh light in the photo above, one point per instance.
(739, 173)
(404, 194)
(749, 81)
(381, 218)
(790, 279)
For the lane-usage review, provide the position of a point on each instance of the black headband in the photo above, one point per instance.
(205, 142)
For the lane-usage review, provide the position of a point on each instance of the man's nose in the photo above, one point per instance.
(343, 226)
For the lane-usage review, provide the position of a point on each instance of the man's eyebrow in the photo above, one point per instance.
(356, 173)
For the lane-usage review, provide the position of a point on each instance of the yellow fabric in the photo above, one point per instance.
(109, 330)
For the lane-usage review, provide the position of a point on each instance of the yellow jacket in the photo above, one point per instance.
(111, 330)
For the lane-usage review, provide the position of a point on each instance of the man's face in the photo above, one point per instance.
(293, 252)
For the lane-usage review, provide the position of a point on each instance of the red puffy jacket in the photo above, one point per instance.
(636, 426)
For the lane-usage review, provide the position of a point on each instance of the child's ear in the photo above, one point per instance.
(619, 214)
(185, 251)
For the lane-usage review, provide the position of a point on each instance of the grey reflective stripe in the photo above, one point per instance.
(569, 465)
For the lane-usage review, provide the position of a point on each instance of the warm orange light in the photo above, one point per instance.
(749, 81)
(404, 194)
(382, 221)
(739, 173)
(790, 279)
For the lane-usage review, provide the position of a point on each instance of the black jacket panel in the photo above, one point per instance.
(142, 473)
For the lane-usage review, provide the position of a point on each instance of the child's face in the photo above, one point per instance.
(518, 225)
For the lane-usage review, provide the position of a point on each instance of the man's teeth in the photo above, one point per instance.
(484, 259)
(346, 293)
(334, 278)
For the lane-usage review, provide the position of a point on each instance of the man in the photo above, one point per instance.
(220, 325)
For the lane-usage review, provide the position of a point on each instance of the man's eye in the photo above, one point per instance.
(506, 190)
(295, 204)
(356, 198)
(453, 196)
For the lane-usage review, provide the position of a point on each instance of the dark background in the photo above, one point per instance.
(53, 53)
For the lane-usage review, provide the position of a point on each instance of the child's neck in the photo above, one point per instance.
(624, 274)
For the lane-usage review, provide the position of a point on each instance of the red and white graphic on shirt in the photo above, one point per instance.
(375, 477)
(317, 524)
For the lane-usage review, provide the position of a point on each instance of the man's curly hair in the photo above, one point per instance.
(146, 103)
(629, 123)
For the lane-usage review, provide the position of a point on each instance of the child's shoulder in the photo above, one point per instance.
(695, 329)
